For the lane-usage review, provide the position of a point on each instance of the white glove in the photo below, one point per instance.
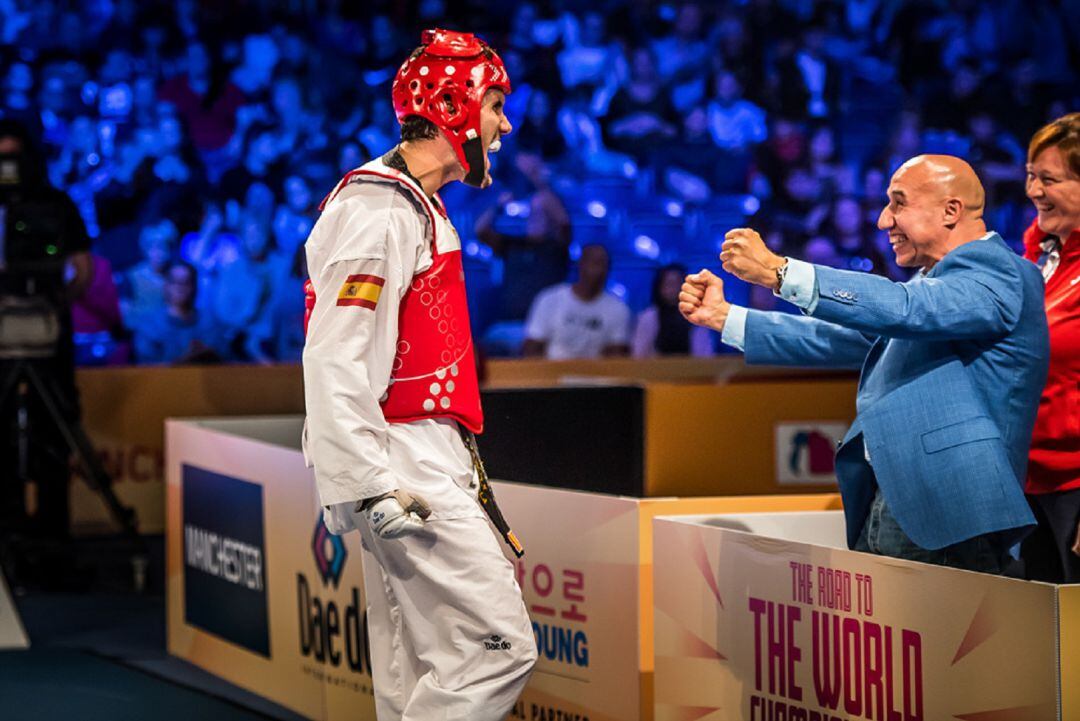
(395, 514)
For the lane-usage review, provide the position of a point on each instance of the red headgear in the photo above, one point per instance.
(445, 81)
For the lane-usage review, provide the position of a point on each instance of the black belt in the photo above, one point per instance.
(486, 495)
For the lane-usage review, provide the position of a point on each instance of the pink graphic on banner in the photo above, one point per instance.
(701, 558)
(1016, 713)
(983, 625)
(694, 713)
(696, 647)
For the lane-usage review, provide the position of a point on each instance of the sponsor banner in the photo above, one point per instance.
(224, 552)
(805, 452)
(318, 664)
(587, 582)
(333, 623)
(580, 579)
(762, 629)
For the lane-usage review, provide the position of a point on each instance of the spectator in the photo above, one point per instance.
(800, 202)
(262, 163)
(54, 104)
(144, 100)
(997, 157)
(209, 249)
(661, 328)
(537, 259)
(100, 336)
(351, 156)
(852, 239)
(579, 320)
(582, 132)
(145, 282)
(785, 148)
(736, 49)
(158, 122)
(805, 85)
(122, 200)
(253, 75)
(278, 334)
(735, 123)
(178, 332)
(79, 156)
(682, 56)
(259, 205)
(641, 116)
(736, 126)
(293, 219)
(1052, 552)
(904, 142)
(297, 129)
(824, 164)
(822, 251)
(178, 172)
(587, 57)
(205, 98)
(963, 97)
(873, 188)
(381, 131)
(537, 133)
(244, 288)
(18, 101)
(690, 168)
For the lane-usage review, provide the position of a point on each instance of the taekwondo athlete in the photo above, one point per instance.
(393, 399)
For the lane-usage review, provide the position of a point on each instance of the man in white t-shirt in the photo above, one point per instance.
(579, 320)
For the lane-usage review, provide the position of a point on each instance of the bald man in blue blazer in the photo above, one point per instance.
(952, 365)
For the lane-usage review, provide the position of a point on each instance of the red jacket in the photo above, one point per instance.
(1054, 463)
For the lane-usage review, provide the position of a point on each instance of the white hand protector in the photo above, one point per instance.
(395, 514)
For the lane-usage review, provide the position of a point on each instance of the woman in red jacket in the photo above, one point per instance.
(1052, 552)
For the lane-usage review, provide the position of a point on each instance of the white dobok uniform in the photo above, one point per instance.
(436, 600)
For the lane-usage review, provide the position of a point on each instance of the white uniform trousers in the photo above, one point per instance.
(450, 636)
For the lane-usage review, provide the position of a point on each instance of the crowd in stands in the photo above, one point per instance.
(198, 138)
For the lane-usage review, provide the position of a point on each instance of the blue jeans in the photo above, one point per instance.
(881, 534)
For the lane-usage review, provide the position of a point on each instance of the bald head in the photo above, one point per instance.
(935, 205)
(946, 176)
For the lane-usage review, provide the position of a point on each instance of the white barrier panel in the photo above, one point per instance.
(260, 594)
(769, 618)
(257, 591)
(12, 634)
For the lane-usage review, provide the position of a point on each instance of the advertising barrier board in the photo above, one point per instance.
(586, 579)
(769, 617)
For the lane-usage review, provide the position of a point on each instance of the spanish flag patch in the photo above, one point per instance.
(362, 290)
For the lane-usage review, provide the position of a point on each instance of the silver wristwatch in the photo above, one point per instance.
(781, 275)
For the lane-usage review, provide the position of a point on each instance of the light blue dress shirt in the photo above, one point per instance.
(799, 288)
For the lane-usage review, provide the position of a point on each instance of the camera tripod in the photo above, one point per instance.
(20, 380)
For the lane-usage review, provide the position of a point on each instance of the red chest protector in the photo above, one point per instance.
(434, 371)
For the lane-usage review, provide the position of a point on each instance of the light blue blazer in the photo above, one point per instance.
(953, 364)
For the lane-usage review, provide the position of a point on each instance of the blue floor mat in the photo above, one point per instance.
(65, 684)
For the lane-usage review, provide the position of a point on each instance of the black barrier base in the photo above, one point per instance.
(579, 438)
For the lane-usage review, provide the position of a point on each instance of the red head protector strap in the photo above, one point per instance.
(444, 81)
